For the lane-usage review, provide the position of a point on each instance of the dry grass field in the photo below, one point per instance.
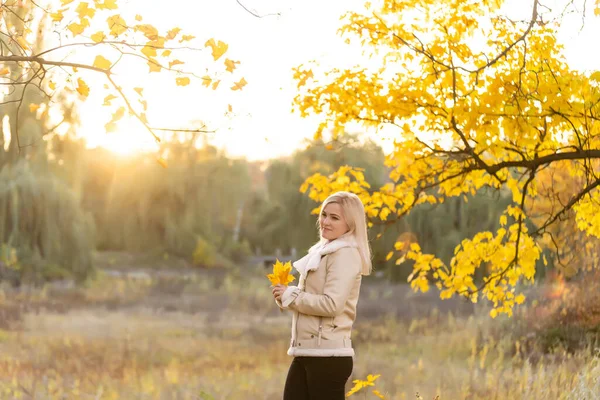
(216, 334)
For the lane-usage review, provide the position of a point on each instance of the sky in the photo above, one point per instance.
(262, 125)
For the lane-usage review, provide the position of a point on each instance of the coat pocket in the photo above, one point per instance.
(308, 326)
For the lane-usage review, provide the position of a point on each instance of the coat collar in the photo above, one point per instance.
(310, 262)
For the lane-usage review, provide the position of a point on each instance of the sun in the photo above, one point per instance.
(130, 138)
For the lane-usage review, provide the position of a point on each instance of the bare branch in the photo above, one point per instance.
(254, 13)
(43, 61)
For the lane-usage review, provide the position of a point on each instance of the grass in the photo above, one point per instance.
(221, 337)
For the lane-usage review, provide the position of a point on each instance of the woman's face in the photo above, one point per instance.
(331, 222)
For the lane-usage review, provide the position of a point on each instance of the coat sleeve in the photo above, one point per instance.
(340, 277)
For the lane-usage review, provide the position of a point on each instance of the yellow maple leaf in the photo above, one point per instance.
(116, 24)
(138, 17)
(185, 38)
(230, 64)
(57, 16)
(84, 11)
(65, 2)
(108, 99)
(139, 90)
(162, 162)
(22, 42)
(111, 126)
(239, 85)
(218, 48)
(206, 80)
(98, 37)
(154, 65)
(166, 53)
(182, 81)
(174, 63)
(107, 5)
(76, 29)
(101, 62)
(173, 33)
(82, 88)
(281, 273)
(148, 30)
(149, 51)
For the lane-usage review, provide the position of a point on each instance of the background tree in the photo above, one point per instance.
(479, 100)
(53, 54)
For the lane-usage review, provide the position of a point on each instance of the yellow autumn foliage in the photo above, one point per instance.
(478, 101)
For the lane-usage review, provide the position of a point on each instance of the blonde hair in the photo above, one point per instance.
(353, 212)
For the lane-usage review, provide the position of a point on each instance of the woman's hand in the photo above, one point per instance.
(278, 291)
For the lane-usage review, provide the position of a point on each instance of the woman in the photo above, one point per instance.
(324, 302)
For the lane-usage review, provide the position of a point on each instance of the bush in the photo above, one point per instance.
(205, 254)
(562, 315)
(238, 252)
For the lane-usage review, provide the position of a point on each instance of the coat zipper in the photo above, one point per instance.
(320, 331)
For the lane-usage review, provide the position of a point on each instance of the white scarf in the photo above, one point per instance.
(310, 262)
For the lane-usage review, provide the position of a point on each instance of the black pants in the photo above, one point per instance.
(317, 378)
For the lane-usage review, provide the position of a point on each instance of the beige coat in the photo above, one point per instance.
(324, 306)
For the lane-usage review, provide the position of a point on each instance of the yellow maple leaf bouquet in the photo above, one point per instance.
(281, 273)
